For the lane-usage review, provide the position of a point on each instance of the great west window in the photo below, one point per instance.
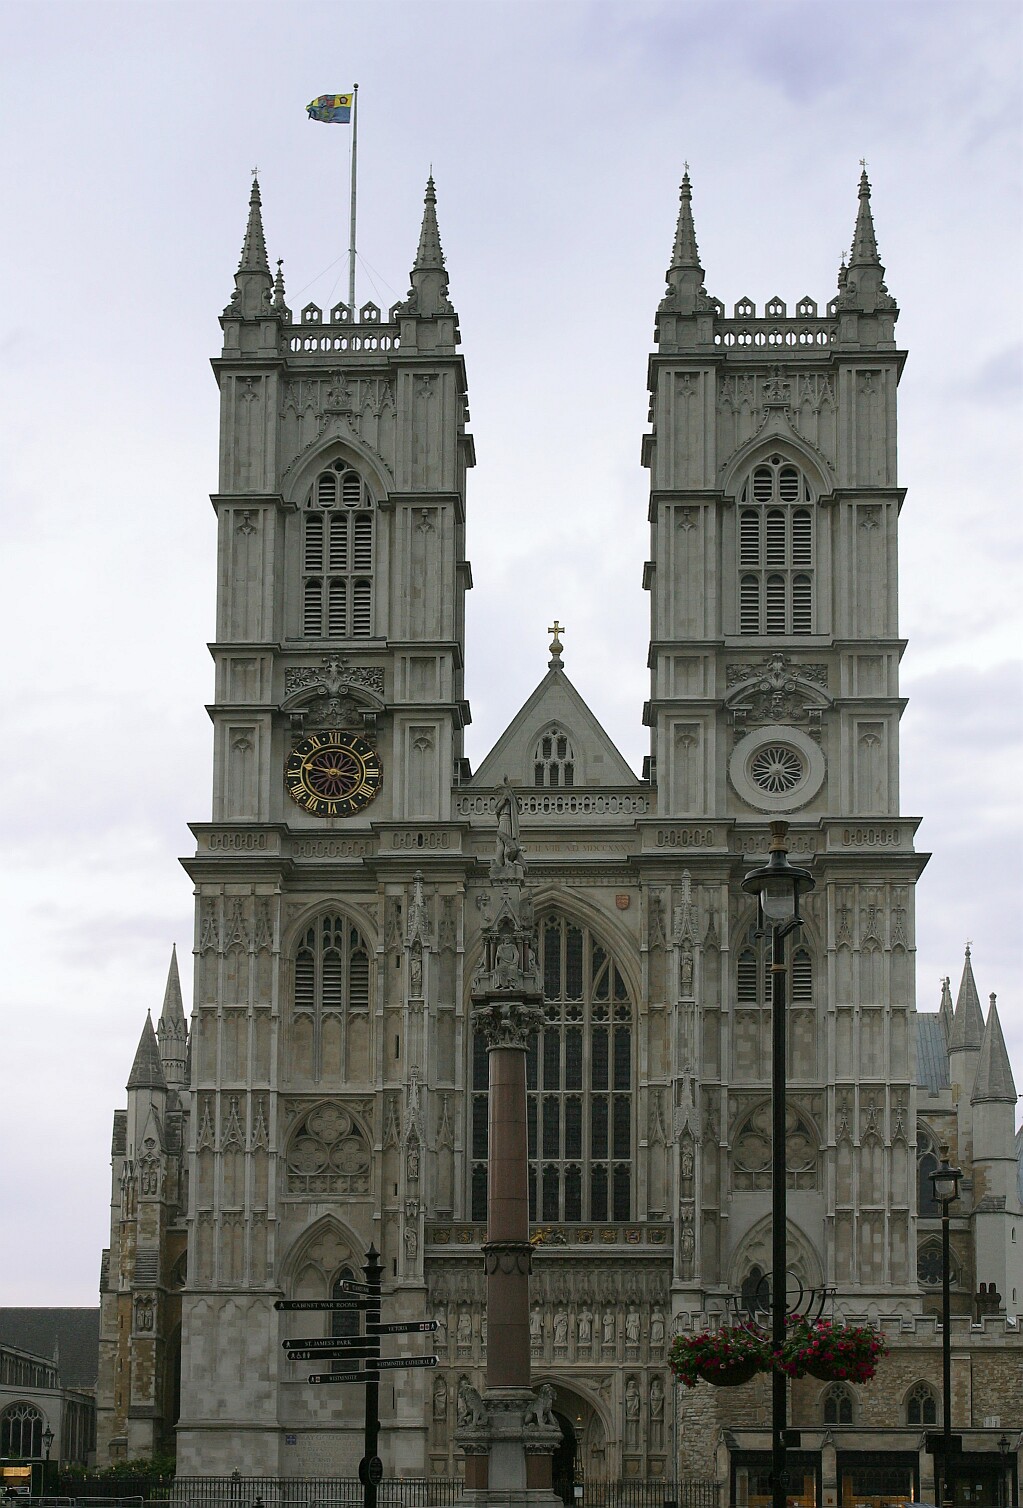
(579, 1077)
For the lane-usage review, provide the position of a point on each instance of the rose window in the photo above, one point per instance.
(776, 769)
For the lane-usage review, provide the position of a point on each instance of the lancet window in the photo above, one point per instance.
(928, 1207)
(838, 1405)
(921, 1405)
(554, 759)
(776, 551)
(338, 556)
(331, 986)
(580, 1071)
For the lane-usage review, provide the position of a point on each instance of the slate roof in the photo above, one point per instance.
(74, 1333)
(931, 1052)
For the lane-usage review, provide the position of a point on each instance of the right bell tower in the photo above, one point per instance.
(774, 659)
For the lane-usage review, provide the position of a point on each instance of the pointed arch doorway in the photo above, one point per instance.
(583, 1452)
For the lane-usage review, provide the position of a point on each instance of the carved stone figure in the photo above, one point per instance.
(561, 1328)
(609, 1327)
(472, 1411)
(632, 1399)
(536, 1326)
(632, 1325)
(657, 1328)
(463, 1333)
(440, 1399)
(541, 1411)
(656, 1399)
(585, 1327)
(508, 852)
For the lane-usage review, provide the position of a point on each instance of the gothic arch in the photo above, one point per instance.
(572, 1386)
(755, 1248)
(324, 1247)
(322, 453)
(296, 926)
(778, 437)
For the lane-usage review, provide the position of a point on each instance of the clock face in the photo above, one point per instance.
(333, 774)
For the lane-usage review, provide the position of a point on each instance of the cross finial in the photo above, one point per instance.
(554, 662)
(254, 172)
(863, 163)
(685, 166)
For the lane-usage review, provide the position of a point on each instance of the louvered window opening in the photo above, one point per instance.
(579, 1082)
(776, 551)
(753, 980)
(337, 557)
(554, 760)
(331, 976)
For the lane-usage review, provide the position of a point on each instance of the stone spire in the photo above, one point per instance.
(147, 1070)
(945, 1010)
(685, 292)
(864, 246)
(280, 301)
(253, 284)
(429, 292)
(994, 1079)
(861, 286)
(173, 1031)
(968, 1022)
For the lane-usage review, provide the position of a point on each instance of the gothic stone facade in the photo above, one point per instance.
(335, 1094)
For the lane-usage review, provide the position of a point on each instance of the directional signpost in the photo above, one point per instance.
(358, 1356)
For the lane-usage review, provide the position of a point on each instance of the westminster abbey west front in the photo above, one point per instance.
(329, 1092)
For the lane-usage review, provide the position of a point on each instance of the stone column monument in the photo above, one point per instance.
(510, 1433)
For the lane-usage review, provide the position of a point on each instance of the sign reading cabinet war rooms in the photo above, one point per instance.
(356, 1358)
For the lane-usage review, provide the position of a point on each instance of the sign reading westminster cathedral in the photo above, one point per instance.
(329, 1092)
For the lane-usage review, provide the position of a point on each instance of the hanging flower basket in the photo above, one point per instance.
(726, 1357)
(830, 1352)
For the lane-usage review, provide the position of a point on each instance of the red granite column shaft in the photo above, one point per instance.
(508, 1221)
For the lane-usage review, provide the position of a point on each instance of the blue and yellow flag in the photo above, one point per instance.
(335, 109)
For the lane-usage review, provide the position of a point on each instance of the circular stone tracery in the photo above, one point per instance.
(776, 769)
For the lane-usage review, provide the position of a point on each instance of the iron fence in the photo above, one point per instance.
(237, 1491)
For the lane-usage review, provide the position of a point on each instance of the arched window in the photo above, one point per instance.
(837, 1405)
(331, 986)
(929, 1266)
(579, 1078)
(776, 553)
(21, 1431)
(921, 1405)
(554, 759)
(338, 557)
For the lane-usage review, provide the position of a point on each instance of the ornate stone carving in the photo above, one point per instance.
(777, 691)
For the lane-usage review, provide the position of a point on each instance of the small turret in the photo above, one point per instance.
(253, 284)
(945, 1010)
(968, 1021)
(685, 275)
(172, 1031)
(147, 1070)
(429, 292)
(861, 285)
(994, 1079)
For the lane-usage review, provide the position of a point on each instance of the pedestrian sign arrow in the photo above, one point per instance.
(327, 1304)
(349, 1285)
(356, 1356)
(387, 1364)
(411, 1327)
(328, 1342)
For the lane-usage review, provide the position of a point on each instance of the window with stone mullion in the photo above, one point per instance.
(579, 1075)
(776, 551)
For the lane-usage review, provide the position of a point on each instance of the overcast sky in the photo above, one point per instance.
(557, 133)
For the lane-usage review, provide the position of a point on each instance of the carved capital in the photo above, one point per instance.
(504, 1022)
(508, 1257)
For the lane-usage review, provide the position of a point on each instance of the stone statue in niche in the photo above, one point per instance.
(686, 972)
(585, 1327)
(656, 1399)
(440, 1399)
(411, 1243)
(416, 971)
(536, 1327)
(412, 1162)
(610, 1327)
(632, 1326)
(463, 1333)
(656, 1329)
(561, 1328)
(687, 1246)
(686, 1169)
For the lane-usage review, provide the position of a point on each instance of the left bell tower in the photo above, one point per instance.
(338, 720)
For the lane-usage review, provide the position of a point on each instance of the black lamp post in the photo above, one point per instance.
(1003, 1481)
(47, 1441)
(945, 1182)
(778, 886)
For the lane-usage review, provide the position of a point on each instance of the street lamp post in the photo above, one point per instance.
(778, 886)
(945, 1182)
(1003, 1482)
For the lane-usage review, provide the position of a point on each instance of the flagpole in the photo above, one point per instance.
(351, 239)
